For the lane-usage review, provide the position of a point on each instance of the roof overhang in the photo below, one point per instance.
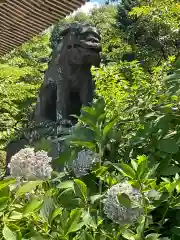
(20, 20)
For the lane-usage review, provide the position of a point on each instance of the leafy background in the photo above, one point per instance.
(133, 125)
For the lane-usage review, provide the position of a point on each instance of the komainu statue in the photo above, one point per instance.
(67, 84)
(68, 81)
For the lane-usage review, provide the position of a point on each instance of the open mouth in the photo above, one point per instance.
(91, 43)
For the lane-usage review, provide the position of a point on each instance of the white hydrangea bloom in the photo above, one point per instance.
(84, 162)
(153, 194)
(117, 212)
(30, 165)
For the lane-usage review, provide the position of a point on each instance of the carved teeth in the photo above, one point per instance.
(92, 40)
(90, 44)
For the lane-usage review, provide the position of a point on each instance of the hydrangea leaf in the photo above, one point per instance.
(65, 184)
(47, 209)
(8, 234)
(6, 182)
(28, 187)
(128, 170)
(108, 127)
(152, 236)
(168, 146)
(124, 200)
(32, 206)
(80, 189)
(74, 222)
(96, 197)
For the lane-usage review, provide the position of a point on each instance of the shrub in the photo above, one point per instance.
(129, 193)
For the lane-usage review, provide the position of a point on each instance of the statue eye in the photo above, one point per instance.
(84, 35)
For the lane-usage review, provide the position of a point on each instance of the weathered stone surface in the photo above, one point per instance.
(68, 81)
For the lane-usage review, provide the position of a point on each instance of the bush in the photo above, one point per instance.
(121, 162)
(131, 190)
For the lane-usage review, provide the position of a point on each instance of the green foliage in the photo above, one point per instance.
(132, 126)
(20, 77)
(112, 41)
(151, 28)
(73, 208)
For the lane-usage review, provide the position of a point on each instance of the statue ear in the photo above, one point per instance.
(65, 32)
(72, 27)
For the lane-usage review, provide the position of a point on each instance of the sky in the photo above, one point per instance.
(99, 1)
(89, 5)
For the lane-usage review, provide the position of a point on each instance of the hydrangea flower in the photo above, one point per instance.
(153, 194)
(117, 212)
(84, 162)
(30, 165)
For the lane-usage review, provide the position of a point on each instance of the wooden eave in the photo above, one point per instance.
(20, 20)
